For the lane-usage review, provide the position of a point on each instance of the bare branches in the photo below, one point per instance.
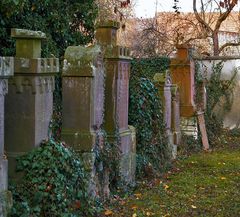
(229, 44)
(219, 12)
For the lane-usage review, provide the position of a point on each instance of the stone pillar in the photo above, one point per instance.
(117, 64)
(176, 130)
(29, 103)
(83, 109)
(163, 82)
(176, 114)
(6, 70)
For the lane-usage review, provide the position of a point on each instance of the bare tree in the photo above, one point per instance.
(211, 15)
(163, 33)
(114, 9)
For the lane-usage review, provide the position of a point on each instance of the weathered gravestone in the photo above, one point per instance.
(176, 114)
(6, 70)
(117, 64)
(83, 111)
(182, 69)
(163, 82)
(29, 103)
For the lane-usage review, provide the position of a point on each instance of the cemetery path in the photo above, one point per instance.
(204, 184)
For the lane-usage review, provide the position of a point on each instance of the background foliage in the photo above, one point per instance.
(53, 183)
(146, 114)
(65, 23)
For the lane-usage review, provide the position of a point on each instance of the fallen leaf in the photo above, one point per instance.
(166, 187)
(138, 195)
(108, 212)
(134, 207)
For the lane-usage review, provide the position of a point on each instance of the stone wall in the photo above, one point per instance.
(231, 64)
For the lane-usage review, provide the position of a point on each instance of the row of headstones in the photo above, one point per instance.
(95, 97)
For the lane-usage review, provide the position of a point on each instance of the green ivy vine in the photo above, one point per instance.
(52, 183)
(218, 91)
(146, 115)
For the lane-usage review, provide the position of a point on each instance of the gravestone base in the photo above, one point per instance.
(127, 142)
(5, 203)
(189, 127)
(98, 183)
(171, 145)
(3, 174)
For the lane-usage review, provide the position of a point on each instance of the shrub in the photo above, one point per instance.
(52, 183)
(65, 23)
(146, 115)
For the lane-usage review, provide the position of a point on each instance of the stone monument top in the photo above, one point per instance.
(25, 33)
(82, 60)
(106, 33)
(28, 43)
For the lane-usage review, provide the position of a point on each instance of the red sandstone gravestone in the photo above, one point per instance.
(83, 110)
(182, 71)
(117, 64)
(29, 103)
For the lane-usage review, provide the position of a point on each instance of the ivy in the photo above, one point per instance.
(52, 183)
(219, 92)
(147, 67)
(146, 115)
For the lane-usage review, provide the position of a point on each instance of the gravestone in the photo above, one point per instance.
(182, 69)
(6, 70)
(163, 82)
(29, 103)
(175, 116)
(117, 63)
(83, 110)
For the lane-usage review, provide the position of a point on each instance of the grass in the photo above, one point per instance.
(204, 184)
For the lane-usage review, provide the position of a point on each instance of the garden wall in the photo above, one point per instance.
(231, 65)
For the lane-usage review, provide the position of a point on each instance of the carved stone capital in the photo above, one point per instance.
(36, 66)
(38, 84)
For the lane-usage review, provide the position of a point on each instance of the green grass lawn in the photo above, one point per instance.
(204, 184)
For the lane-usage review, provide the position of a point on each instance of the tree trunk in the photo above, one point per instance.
(215, 42)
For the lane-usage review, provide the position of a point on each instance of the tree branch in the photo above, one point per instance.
(235, 44)
(200, 20)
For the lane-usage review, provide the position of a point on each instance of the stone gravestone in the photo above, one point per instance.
(6, 70)
(117, 64)
(176, 114)
(182, 69)
(83, 110)
(29, 103)
(175, 124)
(163, 83)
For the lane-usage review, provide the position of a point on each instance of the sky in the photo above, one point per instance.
(147, 8)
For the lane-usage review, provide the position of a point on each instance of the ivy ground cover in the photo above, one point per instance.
(205, 184)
